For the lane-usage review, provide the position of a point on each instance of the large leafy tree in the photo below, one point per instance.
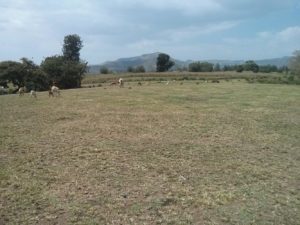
(217, 67)
(163, 63)
(200, 67)
(24, 73)
(294, 64)
(66, 70)
(64, 73)
(12, 72)
(73, 74)
(53, 66)
(250, 65)
(71, 48)
(34, 77)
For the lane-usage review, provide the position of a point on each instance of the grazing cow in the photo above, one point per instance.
(33, 94)
(21, 91)
(140, 83)
(121, 82)
(55, 91)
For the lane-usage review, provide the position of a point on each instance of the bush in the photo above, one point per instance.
(104, 70)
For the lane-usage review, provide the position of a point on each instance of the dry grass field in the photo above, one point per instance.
(212, 153)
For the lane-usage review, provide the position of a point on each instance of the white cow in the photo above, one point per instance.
(55, 91)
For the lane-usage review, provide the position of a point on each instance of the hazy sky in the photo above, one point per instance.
(184, 29)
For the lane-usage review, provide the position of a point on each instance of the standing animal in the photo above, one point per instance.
(55, 91)
(50, 93)
(21, 91)
(33, 94)
(121, 82)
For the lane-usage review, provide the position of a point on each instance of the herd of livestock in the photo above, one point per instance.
(54, 91)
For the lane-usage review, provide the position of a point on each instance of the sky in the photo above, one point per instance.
(184, 29)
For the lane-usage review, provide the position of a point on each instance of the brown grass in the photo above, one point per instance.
(223, 153)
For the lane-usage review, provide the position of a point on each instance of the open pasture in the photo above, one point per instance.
(180, 76)
(224, 153)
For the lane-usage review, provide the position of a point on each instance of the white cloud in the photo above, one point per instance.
(121, 27)
(266, 44)
(289, 34)
(191, 7)
(185, 33)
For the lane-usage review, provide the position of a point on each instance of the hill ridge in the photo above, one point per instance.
(149, 62)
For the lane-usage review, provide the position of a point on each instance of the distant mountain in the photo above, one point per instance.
(146, 60)
(279, 62)
(149, 63)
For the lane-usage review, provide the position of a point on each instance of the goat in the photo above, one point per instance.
(50, 93)
(121, 82)
(33, 94)
(21, 91)
(55, 91)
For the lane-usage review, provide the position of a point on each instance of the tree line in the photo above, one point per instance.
(164, 63)
(66, 70)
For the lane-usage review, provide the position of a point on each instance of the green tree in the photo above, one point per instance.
(37, 80)
(250, 65)
(239, 68)
(195, 67)
(283, 69)
(71, 48)
(217, 67)
(200, 67)
(268, 68)
(163, 63)
(294, 63)
(104, 70)
(34, 77)
(206, 67)
(72, 74)
(140, 69)
(130, 69)
(12, 72)
(67, 70)
(24, 73)
(65, 73)
(53, 66)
